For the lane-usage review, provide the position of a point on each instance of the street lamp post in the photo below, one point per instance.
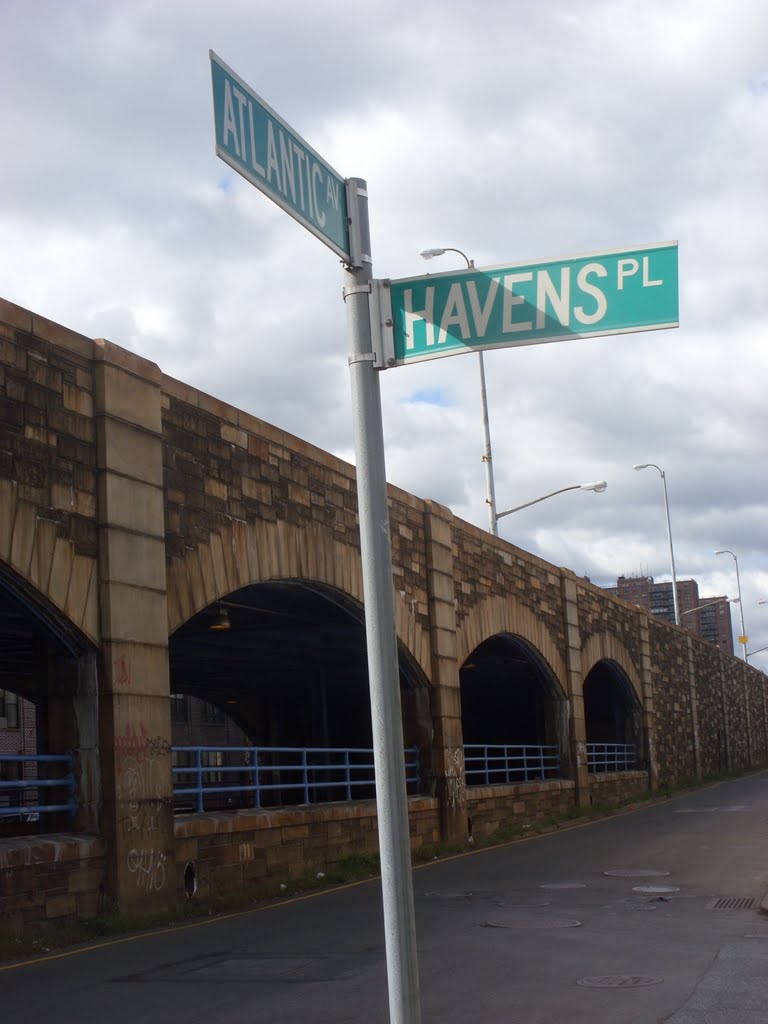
(490, 499)
(675, 603)
(743, 638)
(598, 486)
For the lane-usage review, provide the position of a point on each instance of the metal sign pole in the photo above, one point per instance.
(378, 592)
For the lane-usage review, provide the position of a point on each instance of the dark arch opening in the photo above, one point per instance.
(511, 698)
(48, 706)
(613, 718)
(288, 671)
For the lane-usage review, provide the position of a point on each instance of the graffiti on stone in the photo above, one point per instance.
(148, 866)
(143, 801)
(456, 791)
(122, 672)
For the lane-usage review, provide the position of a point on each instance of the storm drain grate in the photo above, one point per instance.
(732, 903)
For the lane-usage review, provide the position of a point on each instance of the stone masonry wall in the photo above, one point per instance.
(66, 403)
(235, 852)
(495, 807)
(48, 461)
(602, 614)
(617, 787)
(223, 465)
(486, 567)
(737, 713)
(713, 740)
(49, 880)
(674, 740)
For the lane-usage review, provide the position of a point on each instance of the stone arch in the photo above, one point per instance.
(506, 704)
(613, 709)
(51, 663)
(505, 615)
(48, 564)
(604, 647)
(245, 553)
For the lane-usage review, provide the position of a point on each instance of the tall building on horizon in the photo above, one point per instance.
(708, 617)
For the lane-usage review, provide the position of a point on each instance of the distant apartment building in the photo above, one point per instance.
(18, 737)
(18, 724)
(706, 617)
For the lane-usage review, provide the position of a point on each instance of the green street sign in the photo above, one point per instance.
(615, 292)
(257, 143)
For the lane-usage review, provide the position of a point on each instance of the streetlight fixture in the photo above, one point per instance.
(428, 254)
(709, 604)
(675, 603)
(743, 637)
(598, 487)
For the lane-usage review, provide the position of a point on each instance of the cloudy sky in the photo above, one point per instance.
(514, 130)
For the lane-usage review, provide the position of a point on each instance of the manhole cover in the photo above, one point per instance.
(563, 885)
(619, 981)
(636, 873)
(532, 922)
(655, 890)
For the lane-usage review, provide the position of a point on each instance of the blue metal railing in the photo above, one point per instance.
(611, 757)
(241, 776)
(496, 765)
(23, 797)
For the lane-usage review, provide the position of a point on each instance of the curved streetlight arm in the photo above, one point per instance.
(726, 551)
(708, 604)
(429, 254)
(663, 475)
(598, 487)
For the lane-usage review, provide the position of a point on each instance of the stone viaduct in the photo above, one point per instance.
(132, 505)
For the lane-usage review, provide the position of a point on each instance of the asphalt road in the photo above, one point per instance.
(647, 917)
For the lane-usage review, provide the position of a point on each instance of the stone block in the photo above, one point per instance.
(135, 559)
(234, 435)
(130, 451)
(86, 879)
(132, 504)
(126, 386)
(216, 488)
(23, 537)
(137, 670)
(77, 400)
(61, 568)
(89, 904)
(82, 579)
(133, 614)
(63, 905)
